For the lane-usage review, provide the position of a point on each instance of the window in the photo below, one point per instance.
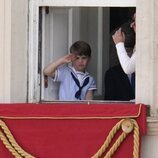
(54, 28)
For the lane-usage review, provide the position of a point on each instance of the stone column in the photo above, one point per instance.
(5, 50)
(147, 54)
(147, 70)
(19, 54)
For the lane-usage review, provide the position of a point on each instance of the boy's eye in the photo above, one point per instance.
(81, 57)
(84, 57)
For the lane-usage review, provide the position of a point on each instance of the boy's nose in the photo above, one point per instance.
(80, 60)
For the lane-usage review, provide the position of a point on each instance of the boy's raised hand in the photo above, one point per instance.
(68, 58)
(50, 69)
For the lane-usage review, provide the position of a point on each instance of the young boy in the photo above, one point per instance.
(75, 82)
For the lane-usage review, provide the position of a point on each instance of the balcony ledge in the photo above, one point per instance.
(152, 126)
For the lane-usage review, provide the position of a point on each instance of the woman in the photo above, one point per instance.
(127, 63)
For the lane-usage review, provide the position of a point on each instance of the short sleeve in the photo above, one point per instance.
(93, 85)
(60, 73)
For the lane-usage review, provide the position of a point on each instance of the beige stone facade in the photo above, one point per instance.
(14, 52)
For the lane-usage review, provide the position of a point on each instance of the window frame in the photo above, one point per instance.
(34, 77)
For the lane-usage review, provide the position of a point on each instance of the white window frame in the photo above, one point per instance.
(34, 77)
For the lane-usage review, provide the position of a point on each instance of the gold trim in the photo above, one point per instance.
(71, 118)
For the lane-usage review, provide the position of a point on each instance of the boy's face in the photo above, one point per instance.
(80, 63)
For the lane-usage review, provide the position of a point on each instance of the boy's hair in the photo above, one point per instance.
(81, 48)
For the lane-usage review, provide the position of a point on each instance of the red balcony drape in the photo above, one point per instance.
(69, 130)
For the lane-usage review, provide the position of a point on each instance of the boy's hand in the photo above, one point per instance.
(45, 81)
(50, 69)
(119, 36)
(68, 58)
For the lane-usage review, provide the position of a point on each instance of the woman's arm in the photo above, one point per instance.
(127, 63)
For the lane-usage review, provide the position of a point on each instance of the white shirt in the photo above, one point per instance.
(79, 75)
(127, 63)
(68, 87)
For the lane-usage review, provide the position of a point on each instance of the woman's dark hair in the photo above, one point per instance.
(129, 35)
(81, 48)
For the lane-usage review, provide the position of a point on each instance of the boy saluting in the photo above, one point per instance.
(75, 82)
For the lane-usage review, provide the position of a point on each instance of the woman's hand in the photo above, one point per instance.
(118, 36)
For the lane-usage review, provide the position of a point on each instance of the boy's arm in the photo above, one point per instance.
(51, 68)
(89, 95)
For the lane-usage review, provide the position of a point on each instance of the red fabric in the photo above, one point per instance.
(55, 132)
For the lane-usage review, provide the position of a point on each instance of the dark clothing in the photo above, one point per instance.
(117, 85)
